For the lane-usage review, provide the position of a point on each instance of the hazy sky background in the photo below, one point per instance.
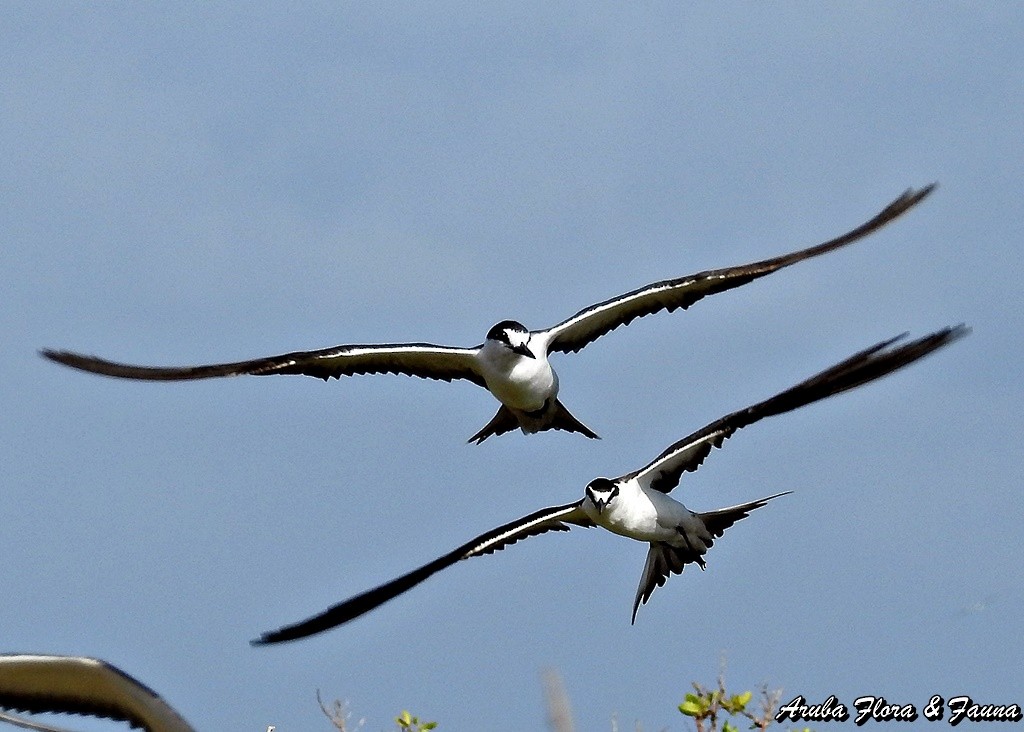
(197, 182)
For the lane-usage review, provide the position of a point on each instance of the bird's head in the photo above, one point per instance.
(513, 336)
(601, 491)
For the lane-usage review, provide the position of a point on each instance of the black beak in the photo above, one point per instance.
(523, 350)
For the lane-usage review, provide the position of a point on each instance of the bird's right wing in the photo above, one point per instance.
(686, 455)
(424, 360)
(555, 518)
(88, 686)
(597, 320)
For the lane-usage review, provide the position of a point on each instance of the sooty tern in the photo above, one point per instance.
(77, 685)
(512, 363)
(636, 504)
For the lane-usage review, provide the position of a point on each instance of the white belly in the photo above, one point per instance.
(526, 386)
(641, 516)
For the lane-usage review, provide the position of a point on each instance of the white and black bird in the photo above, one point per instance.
(79, 685)
(512, 363)
(637, 504)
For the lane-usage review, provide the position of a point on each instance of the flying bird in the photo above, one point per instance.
(78, 685)
(637, 504)
(512, 362)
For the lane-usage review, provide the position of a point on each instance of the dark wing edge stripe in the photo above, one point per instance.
(727, 278)
(548, 519)
(665, 480)
(307, 363)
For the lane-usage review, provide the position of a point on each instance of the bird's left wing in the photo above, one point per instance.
(686, 455)
(87, 686)
(595, 321)
(425, 360)
(555, 518)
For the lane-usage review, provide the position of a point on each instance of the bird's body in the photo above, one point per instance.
(637, 505)
(628, 506)
(512, 362)
(526, 385)
(646, 515)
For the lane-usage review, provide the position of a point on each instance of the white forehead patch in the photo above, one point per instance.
(517, 337)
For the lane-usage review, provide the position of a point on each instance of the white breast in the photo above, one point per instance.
(518, 381)
(640, 515)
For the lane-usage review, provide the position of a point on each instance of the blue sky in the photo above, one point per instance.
(216, 182)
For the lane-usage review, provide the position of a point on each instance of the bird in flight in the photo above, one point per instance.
(637, 504)
(79, 685)
(512, 363)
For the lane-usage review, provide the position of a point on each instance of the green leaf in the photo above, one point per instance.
(691, 707)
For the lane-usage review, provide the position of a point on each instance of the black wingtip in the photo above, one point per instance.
(939, 338)
(272, 637)
(68, 358)
(908, 199)
(919, 195)
(930, 342)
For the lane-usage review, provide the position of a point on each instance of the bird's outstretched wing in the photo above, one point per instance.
(555, 518)
(664, 560)
(424, 360)
(87, 686)
(686, 455)
(597, 320)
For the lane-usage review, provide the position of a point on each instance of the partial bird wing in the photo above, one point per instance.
(686, 455)
(664, 560)
(597, 320)
(424, 360)
(87, 686)
(555, 518)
